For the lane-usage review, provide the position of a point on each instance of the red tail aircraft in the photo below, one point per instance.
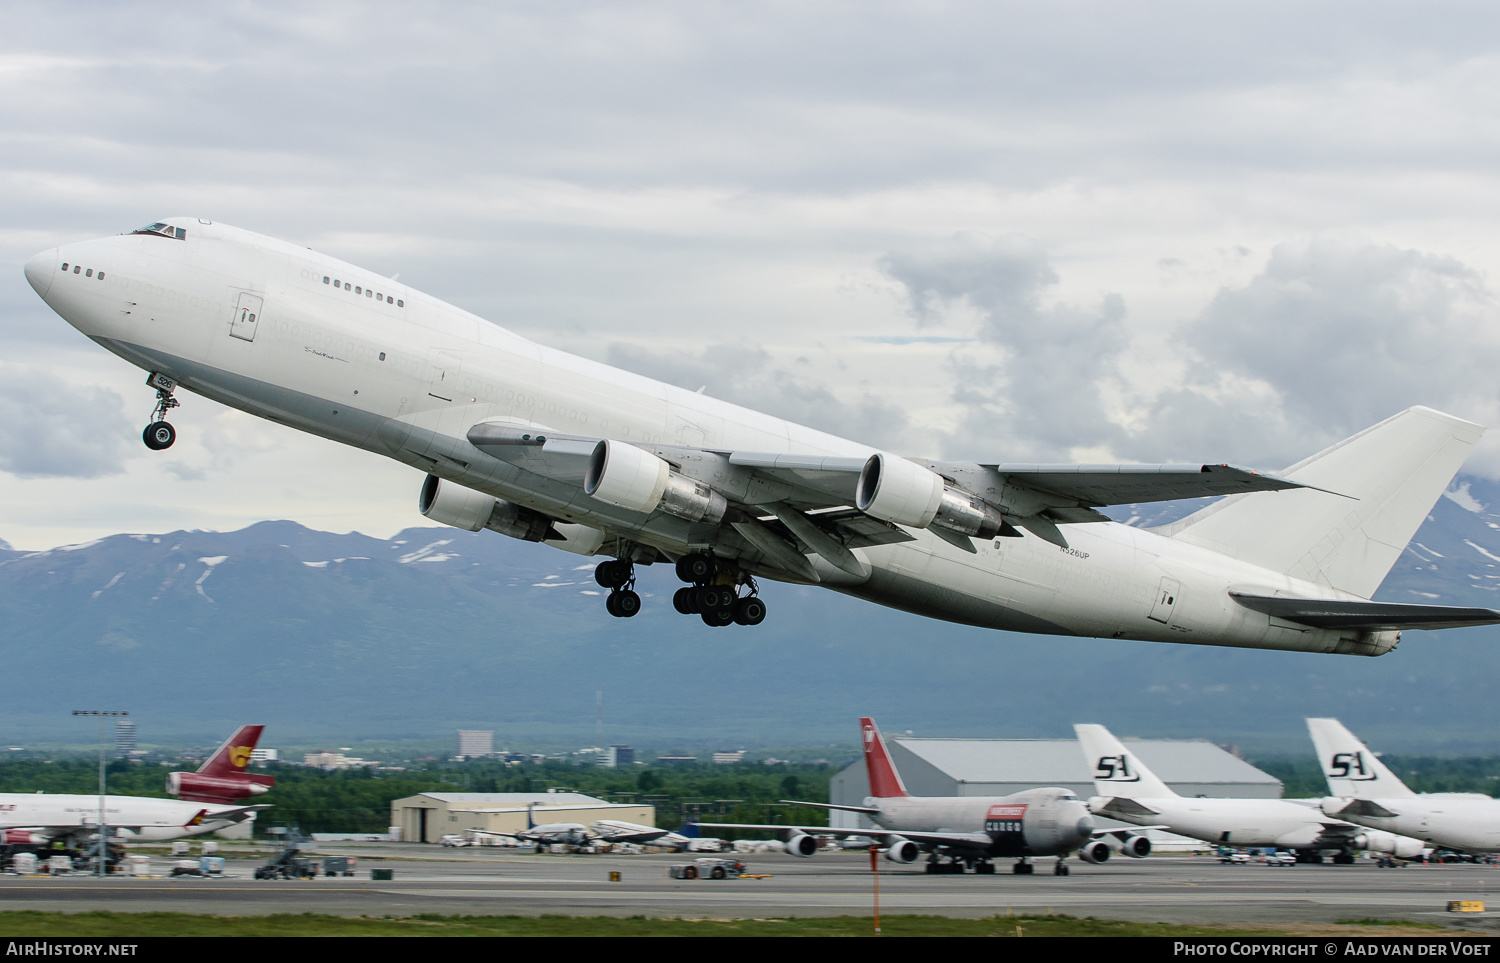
(224, 777)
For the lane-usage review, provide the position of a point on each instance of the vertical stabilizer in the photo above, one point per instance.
(1387, 479)
(1116, 770)
(1352, 769)
(234, 755)
(885, 782)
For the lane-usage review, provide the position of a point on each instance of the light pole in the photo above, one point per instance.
(102, 852)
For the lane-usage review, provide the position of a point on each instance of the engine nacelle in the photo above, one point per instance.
(197, 787)
(896, 490)
(1095, 852)
(801, 844)
(902, 851)
(968, 514)
(1136, 847)
(23, 837)
(1379, 841)
(452, 504)
(628, 477)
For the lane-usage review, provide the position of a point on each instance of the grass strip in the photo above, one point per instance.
(29, 923)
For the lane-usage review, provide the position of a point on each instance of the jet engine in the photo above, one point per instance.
(902, 850)
(451, 504)
(1136, 847)
(1379, 841)
(628, 477)
(22, 837)
(896, 490)
(1095, 852)
(801, 844)
(197, 787)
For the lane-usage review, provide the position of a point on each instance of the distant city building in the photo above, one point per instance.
(476, 743)
(264, 755)
(124, 738)
(728, 758)
(615, 756)
(331, 760)
(675, 758)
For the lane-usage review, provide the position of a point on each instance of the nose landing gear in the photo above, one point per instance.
(159, 435)
(714, 593)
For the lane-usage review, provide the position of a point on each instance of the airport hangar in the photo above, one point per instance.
(428, 817)
(999, 767)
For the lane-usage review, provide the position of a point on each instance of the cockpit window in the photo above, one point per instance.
(163, 230)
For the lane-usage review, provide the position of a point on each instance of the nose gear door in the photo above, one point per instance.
(246, 315)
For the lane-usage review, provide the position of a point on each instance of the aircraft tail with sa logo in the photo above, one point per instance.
(1116, 770)
(1350, 768)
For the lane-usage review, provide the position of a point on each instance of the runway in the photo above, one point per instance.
(428, 879)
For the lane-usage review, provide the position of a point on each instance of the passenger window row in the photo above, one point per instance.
(367, 292)
(78, 267)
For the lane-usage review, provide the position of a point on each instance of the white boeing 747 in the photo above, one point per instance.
(544, 446)
(1132, 793)
(1366, 792)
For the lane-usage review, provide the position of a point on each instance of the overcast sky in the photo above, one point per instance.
(1048, 231)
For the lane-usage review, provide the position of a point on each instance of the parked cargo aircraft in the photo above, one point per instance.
(51, 819)
(224, 777)
(540, 445)
(576, 835)
(1366, 792)
(1132, 793)
(967, 830)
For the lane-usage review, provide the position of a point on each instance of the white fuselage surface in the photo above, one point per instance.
(306, 340)
(140, 818)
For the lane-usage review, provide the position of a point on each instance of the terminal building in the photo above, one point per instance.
(999, 767)
(428, 817)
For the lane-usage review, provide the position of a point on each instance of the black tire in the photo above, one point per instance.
(159, 436)
(609, 605)
(612, 574)
(716, 873)
(627, 603)
(707, 598)
(683, 602)
(718, 618)
(696, 568)
(690, 872)
(932, 868)
(750, 611)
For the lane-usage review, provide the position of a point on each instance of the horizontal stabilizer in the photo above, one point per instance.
(1340, 614)
(1365, 807)
(1123, 806)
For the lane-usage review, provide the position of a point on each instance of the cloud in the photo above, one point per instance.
(1035, 385)
(747, 375)
(51, 428)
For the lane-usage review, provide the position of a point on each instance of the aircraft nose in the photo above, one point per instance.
(40, 271)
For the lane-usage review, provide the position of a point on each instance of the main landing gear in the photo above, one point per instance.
(618, 575)
(714, 593)
(159, 435)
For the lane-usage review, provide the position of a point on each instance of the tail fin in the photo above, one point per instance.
(1392, 474)
(1117, 772)
(885, 782)
(234, 755)
(1352, 769)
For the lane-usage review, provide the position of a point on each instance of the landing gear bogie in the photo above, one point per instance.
(714, 592)
(618, 575)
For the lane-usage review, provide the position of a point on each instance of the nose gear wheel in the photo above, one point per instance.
(159, 435)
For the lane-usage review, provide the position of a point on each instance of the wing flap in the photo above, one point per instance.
(1342, 614)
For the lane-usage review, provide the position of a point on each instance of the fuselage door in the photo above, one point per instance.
(246, 316)
(1166, 600)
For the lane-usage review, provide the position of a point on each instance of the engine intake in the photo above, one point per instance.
(1095, 852)
(801, 844)
(628, 477)
(452, 504)
(902, 851)
(1136, 847)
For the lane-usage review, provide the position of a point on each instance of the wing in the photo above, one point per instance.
(1340, 614)
(782, 508)
(238, 815)
(627, 837)
(882, 836)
